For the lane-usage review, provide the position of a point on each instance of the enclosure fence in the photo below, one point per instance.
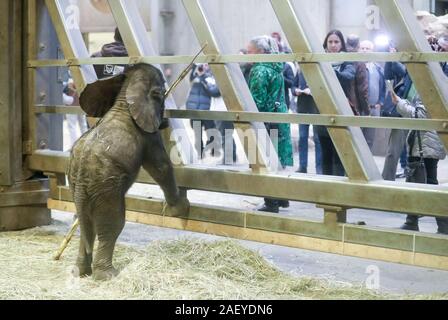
(363, 187)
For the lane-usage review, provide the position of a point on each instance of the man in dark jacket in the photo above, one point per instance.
(203, 89)
(306, 105)
(288, 74)
(114, 49)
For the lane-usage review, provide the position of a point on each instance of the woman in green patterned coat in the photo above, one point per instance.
(266, 83)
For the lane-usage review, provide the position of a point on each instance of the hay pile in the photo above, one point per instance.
(181, 269)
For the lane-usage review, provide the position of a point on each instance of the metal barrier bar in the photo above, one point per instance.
(337, 191)
(319, 119)
(405, 57)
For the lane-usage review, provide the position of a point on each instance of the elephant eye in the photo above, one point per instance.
(158, 93)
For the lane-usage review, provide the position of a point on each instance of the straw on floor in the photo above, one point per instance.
(181, 269)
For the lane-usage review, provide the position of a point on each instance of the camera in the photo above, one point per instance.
(201, 68)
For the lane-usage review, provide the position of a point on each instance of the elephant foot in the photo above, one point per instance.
(84, 271)
(181, 208)
(104, 275)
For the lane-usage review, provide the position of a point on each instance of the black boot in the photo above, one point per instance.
(443, 225)
(283, 203)
(411, 223)
(270, 205)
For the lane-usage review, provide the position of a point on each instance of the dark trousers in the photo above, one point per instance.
(206, 125)
(304, 131)
(331, 163)
(431, 177)
(272, 202)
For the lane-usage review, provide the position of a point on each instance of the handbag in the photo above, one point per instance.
(415, 171)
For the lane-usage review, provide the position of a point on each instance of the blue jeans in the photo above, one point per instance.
(404, 158)
(303, 148)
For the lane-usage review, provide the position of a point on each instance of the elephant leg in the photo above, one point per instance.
(157, 163)
(84, 261)
(109, 222)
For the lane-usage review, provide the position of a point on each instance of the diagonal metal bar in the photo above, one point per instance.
(429, 79)
(65, 20)
(138, 43)
(232, 85)
(330, 99)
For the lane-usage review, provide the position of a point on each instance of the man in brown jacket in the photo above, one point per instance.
(359, 92)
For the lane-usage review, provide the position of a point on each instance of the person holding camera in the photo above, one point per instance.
(203, 89)
(396, 148)
(425, 151)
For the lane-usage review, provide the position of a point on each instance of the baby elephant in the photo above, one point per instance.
(105, 161)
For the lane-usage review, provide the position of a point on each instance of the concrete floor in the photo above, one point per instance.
(393, 278)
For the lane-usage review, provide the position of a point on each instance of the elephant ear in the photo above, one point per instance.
(146, 110)
(99, 97)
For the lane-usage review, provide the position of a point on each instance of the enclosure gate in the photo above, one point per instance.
(362, 188)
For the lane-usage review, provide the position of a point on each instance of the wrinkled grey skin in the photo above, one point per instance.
(105, 161)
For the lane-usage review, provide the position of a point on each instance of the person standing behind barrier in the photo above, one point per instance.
(377, 90)
(430, 147)
(114, 49)
(267, 88)
(306, 105)
(203, 89)
(396, 72)
(282, 47)
(289, 73)
(359, 93)
(345, 72)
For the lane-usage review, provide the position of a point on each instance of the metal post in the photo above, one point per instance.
(22, 203)
(7, 141)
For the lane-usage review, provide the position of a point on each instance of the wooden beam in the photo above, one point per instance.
(276, 238)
